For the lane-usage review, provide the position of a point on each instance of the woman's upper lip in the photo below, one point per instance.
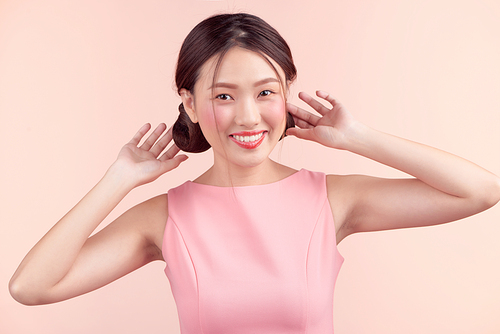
(247, 133)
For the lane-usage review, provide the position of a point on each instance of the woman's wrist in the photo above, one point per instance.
(119, 178)
(356, 139)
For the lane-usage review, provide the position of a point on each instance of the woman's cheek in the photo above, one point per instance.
(206, 121)
(222, 116)
(207, 118)
(276, 112)
(214, 119)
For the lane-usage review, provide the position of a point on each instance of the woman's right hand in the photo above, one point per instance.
(145, 163)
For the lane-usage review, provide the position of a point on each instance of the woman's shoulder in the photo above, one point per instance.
(153, 206)
(151, 216)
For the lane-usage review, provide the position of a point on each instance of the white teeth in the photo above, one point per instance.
(247, 139)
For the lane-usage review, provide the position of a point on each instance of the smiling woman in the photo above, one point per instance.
(250, 246)
(206, 46)
(244, 108)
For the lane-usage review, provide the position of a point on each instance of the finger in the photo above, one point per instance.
(170, 153)
(153, 137)
(163, 142)
(326, 96)
(170, 164)
(302, 124)
(306, 134)
(302, 114)
(139, 134)
(313, 103)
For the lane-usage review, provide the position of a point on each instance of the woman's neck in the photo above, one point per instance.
(224, 175)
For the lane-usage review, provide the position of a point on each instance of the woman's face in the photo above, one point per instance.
(243, 115)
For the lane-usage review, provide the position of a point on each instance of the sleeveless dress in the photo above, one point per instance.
(256, 259)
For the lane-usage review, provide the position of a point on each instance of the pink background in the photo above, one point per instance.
(78, 78)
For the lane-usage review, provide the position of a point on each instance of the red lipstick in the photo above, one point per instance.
(240, 138)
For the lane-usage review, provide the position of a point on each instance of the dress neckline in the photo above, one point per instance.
(291, 176)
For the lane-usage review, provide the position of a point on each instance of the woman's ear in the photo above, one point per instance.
(288, 89)
(188, 103)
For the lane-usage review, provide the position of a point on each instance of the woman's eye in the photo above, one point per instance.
(223, 97)
(266, 92)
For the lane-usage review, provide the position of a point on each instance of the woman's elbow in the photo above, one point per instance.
(24, 294)
(490, 194)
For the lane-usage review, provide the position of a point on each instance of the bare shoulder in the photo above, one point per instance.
(339, 184)
(334, 186)
(341, 189)
(150, 218)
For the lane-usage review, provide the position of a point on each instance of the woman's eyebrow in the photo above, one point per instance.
(223, 85)
(264, 81)
(234, 86)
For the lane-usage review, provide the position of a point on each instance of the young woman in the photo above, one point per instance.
(250, 245)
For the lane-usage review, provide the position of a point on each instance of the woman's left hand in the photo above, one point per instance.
(331, 129)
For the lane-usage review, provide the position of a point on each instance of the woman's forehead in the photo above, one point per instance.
(239, 65)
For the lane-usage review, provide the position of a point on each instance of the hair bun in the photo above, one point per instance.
(290, 123)
(187, 135)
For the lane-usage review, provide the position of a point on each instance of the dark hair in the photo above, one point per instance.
(215, 36)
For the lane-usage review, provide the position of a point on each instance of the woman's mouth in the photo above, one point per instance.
(250, 140)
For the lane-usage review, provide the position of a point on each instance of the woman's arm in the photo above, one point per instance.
(446, 187)
(66, 262)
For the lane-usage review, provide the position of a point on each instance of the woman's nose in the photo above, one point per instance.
(247, 114)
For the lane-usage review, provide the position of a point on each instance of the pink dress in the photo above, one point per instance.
(257, 259)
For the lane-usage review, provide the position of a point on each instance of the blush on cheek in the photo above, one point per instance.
(222, 117)
(206, 121)
(277, 113)
(208, 117)
(213, 121)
